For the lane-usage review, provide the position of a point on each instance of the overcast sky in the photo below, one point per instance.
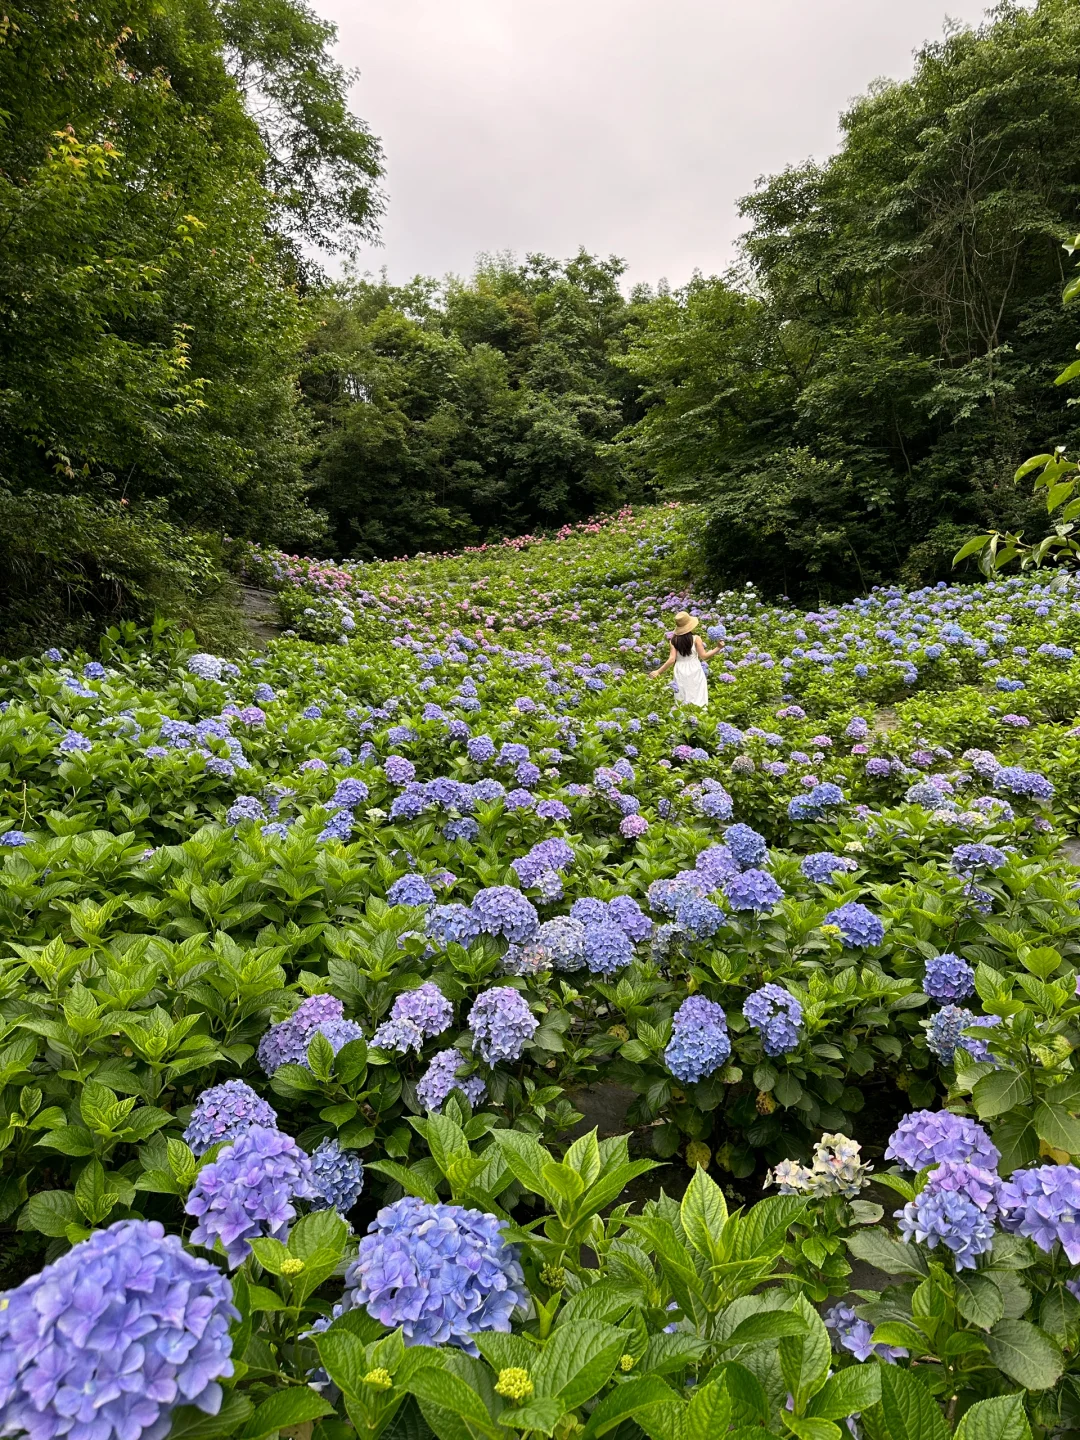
(628, 126)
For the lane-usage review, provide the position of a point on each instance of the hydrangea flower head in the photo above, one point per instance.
(850, 1333)
(969, 859)
(205, 667)
(777, 1015)
(110, 1338)
(502, 910)
(287, 1043)
(699, 1042)
(501, 1022)
(453, 924)
(248, 1192)
(440, 1272)
(928, 1137)
(837, 1169)
(944, 1034)
(822, 865)
(337, 1176)
(414, 1016)
(752, 890)
(748, 849)
(859, 927)
(245, 807)
(410, 890)
(225, 1111)
(1044, 1205)
(948, 977)
(442, 1076)
(956, 1208)
(563, 940)
(607, 947)
(625, 912)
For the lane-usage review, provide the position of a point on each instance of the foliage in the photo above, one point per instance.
(872, 376)
(450, 414)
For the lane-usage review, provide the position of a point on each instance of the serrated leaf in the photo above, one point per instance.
(979, 1300)
(910, 1411)
(1026, 1354)
(704, 1213)
(283, 1409)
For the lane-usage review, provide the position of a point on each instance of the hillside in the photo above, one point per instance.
(444, 857)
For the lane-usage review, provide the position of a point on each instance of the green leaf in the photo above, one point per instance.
(999, 1091)
(666, 1353)
(607, 1301)
(703, 1213)
(190, 1423)
(344, 1358)
(847, 1392)
(805, 1359)
(979, 1300)
(69, 1140)
(50, 1212)
(1057, 1127)
(577, 1361)
(767, 1325)
(808, 1429)
(285, 1408)
(884, 1253)
(1002, 1418)
(910, 1411)
(411, 1181)
(93, 1194)
(626, 1401)
(1026, 1354)
(322, 1230)
(447, 1391)
(538, 1414)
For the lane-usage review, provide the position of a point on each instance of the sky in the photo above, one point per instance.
(630, 127)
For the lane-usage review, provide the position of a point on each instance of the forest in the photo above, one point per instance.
(180, 182)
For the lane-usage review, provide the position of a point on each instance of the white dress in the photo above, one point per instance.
(690, 678)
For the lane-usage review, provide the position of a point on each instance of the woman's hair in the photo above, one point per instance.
(683, 643)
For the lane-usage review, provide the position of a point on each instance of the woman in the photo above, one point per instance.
(687, 653)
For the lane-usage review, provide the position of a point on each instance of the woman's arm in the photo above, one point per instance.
(704, 654)
(668, 663)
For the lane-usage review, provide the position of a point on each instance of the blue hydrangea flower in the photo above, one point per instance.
(625, 912)
(481, 749)
(948, 977)
(415, 1015)
(698, 917)
(927, 1137)
(464, 828)
(225, 1111)
(94, 670)
(244, 807)
(968, 859)
(501, 1022)
(777, 1015)
(440, 1272)
(110, 1338)
(205, 667)
(1026, 783)
(398, 770)
(822, 865)
(1044, 1205)
(453, 924)
(747, 848)
(562, 940)
(552, 810)
(555, 854)
(442, 1076)
(715, 805)
(338, 1177)
(715, 865)
(850, 1333)
(608, 948)
(248, 1191)
(699, 1042)
(944, 1034)
(287, 1043)
(502, 910)
(74, 741)
(956, 1208)
(410, 890)
(752, 890)
(589, 910)
(338, 827)
(349, 793)
(859, 927)
(53, 656)
(14, 839)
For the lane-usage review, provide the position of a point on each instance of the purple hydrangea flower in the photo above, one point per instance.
(501, 1022)
(859, 927)
(877, 768)
(608, 948)
(948, 977)
(822, 865)
(777, 1014)
(440, 1272)
(956, 1208)
(14, 839)
(287, 1043)
(715, 865)
(752, 890)
(944, 1034)
(747, 848)
(337, 1176)
(110, 1338)
(205, 667)
(248, 1192)
(350, 792)
(338, 827)
(698, 917)
(1044, 1205)
(225, 1111)
(415, 1015)
(562, 940)
(699, 1042)
(74, 741)
(244, 807)
(928, 1137)
(481, 748)
(625, 912)
(850, 1333)
(1027, 783)
(968, 859)
(552, 810)
(555, 854)
(453, 924)
(502, 910)
(589, 910)
(398, 770)
(410, 890)
(442, 1076)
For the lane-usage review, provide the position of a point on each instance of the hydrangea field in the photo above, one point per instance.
(314, 966)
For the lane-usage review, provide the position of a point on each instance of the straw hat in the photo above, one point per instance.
(685, 622)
